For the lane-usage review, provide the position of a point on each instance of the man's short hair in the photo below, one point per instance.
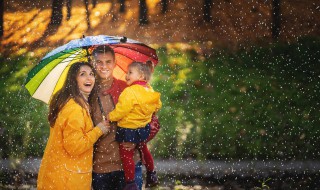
(103, 49)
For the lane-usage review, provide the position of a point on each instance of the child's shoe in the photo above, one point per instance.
(152, 179)
(131, 186)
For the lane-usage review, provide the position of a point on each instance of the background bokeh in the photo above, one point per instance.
(241, 82)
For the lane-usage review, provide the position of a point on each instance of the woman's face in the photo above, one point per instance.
(85, 79)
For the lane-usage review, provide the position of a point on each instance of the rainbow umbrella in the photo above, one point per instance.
(48, 76)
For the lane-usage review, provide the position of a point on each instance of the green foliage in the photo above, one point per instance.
(262, 103)
(257, 104)
(264, 185)
(23, 123)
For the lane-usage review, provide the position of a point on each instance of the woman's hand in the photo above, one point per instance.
(104, 126)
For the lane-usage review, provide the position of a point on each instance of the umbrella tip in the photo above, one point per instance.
(83, 36)
(123, 39)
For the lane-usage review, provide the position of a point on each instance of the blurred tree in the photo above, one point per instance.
(69, 3)
(164, 4)
(56, 15)
(112, 11)
(1, 17)
(143, 12)
(207, 5)
(86, 4)
(276, 19)
(122, 6)
(94, 3)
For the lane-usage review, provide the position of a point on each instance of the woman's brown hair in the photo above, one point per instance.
(69, 90)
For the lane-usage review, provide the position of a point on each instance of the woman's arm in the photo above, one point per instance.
(76, 140)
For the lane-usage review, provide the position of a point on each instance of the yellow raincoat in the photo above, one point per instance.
(67, 160)
(135, 107)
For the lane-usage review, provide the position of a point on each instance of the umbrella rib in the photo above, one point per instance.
(153, 56)
(66, 60)
(44, 80)
(45, 62)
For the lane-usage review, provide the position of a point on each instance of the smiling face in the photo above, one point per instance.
(85, 79)
(104, 64)
(133, 75)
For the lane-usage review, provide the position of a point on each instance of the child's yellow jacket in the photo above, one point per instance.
(135, 107)
(67, 160)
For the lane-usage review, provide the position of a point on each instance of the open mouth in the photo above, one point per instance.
(88, 84)
(104, 71)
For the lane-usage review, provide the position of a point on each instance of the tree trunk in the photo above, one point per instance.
(1, 17)
(86, 4)
(164, 5)
(94, 3)
(122, 6)
(276, 19)
(143, 12)
(56, 15)
(207, 5)
(69, 4)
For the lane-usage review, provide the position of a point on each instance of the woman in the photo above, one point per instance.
(67, 160)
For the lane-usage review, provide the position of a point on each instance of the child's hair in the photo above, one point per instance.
(145, 68)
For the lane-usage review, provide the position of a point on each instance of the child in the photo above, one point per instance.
(133, 112)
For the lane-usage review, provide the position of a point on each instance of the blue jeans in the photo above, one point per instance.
(115, 180)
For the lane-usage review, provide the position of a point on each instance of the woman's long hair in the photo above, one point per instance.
(69, 90)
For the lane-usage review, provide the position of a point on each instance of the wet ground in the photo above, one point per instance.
(191, 174)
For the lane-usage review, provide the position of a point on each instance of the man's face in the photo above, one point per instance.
(104, 64)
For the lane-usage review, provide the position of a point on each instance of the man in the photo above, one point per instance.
(107, 167)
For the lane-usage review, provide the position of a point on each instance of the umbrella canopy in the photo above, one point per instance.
(48, 76)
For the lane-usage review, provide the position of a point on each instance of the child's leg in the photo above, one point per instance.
(147, 157)
(151, 179)
(126, 155)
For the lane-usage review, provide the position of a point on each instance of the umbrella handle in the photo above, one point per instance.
(88, 55)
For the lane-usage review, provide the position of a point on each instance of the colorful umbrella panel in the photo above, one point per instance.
(48, 76)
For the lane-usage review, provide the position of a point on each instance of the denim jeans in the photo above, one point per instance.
(115, 180)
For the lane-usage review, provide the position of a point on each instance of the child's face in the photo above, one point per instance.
(133, 75)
